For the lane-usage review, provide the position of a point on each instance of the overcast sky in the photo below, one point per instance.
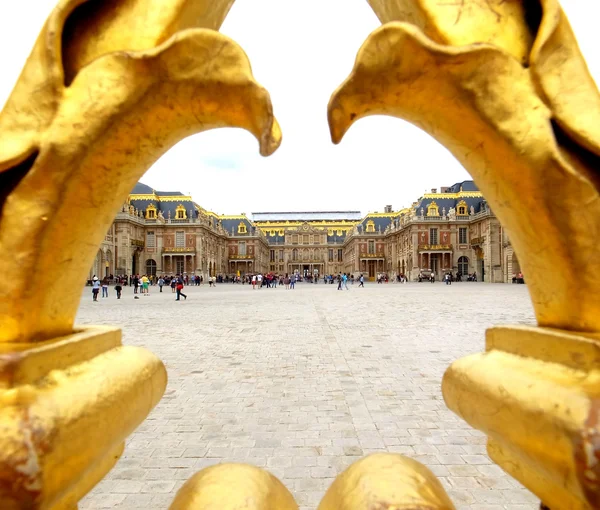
(300, 51)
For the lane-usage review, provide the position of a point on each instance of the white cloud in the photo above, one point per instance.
(300, 51)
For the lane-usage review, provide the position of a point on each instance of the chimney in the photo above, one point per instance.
(444, 189)
(434, 190)
(388, 209)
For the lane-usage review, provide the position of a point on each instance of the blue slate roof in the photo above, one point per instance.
(469, 186)
(142, 189)
(381, 222)
(231, 226)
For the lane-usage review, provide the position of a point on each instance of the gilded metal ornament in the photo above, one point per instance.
(110, 86)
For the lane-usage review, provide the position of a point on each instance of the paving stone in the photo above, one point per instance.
(305, 382)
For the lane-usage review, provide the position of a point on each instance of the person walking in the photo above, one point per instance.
(161, 282)
(95, 288)
(173, 284)
(118, 289)
(361, 279)
(292, 281)
(105, 287)
(345, 281)
(253, 282)
(339, 280)
(179, 288)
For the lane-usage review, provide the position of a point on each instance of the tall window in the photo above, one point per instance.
(432, 209)
(295, 239)
(271, 255)
(242, 248)
(305, 239)
(463, 265)
(151, 267)
(371, 247)
(433, 236)
(150, 240)
(340, 255)
(317, 239)
(462, 235)
(330, 255)
(280, 255)
(179, 239)
(180, 212)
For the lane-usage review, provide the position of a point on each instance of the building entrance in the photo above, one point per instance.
(372, 267)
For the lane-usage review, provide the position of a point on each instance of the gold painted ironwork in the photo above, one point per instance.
(504, 87)
(110, 86)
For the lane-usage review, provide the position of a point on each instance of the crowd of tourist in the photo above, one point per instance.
(142, 284)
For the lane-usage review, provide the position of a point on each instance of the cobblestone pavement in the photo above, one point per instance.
(304, 382)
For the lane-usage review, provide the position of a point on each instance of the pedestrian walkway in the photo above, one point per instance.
(305, 382)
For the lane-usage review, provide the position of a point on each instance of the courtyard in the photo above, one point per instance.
(304, 382)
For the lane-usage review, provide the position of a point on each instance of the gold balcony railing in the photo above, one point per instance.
(435, 247)
(187, 249)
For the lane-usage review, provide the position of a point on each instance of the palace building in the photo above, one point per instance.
(166, 232)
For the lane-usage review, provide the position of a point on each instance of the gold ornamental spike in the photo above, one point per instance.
(521, 113)
(71, 154)
(386, 480)
(76, 33)
(233, 487)
(484, 106)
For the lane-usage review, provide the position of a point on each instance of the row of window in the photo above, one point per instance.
(462, 235)
(180, 243)
(179, 239)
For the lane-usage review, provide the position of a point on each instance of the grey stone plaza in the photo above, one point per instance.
(304, 382)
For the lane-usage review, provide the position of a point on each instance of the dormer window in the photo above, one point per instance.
(151, 212)
(433, 210)
(242, 228)
(462, 209)
(180, 212)
(370, 226)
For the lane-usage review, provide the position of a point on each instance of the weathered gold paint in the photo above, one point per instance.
(514, 102)
(66, 407)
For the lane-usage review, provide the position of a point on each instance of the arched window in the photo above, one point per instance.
(462, 208)
(463, 265)
(180, 212)
(433, 210)
(151, 212)
(151, 267)
(242, 228)
(370, 226)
